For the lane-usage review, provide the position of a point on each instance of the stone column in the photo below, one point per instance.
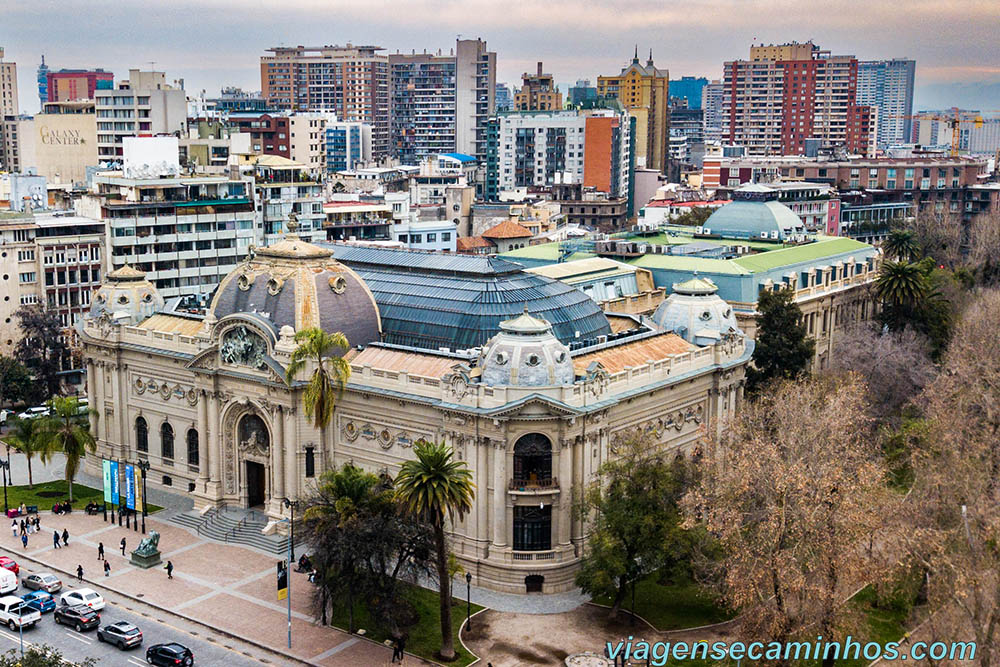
(92, 397)
(289, 446)
(499, 493)
(203, 445)
(120, 412)
(565, 489)
(482, 486)
(214, 439)
(579, 482)
(96, 383)
(277, 451)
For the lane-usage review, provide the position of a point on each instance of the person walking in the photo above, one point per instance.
(79, 573)
(22, 526)
(100, 552)
(65, 537)
(13, 528)
(397, 649)
(123, 546)
(38, 524)
(55, 539)
(107, 568)
(24, 540)
(170, 570)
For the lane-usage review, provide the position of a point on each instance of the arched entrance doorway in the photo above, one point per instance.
(254, 442)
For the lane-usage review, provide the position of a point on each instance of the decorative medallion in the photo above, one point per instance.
(164, 391)
(140, 386)
(368, 432)
(404, 440)
(274, 286)
(384, 438)
(338, 284)
(192, 396)
(244, 282)
(350, 431)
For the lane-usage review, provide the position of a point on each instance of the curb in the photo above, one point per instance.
(462, 641)
(710, 626)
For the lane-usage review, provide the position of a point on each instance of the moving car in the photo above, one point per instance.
(14, 613)
(40, 601)
(169, 654)
(10, 564)
(31, 413)
(8, 581)
(121, 633)
(42, 581)
(80, 616)
(84, 596)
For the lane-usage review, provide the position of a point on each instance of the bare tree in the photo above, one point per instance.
(984, 247)
(895, 366)
(794, 491)
(939, 235)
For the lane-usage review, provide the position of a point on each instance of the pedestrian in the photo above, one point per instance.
(123, 546)
(24, 540)
(22, 526)
(170, 570)
(65, 537)
(397, 649)
(107, 568)
(22, 510)
(79, 573)
(100, 551)
(55, 539)
(38, 524)
(13, 528)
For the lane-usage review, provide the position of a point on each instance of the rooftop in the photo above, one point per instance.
(636, 353)
(508, 229)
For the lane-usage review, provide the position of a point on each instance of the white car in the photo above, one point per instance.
(85, 596)
(31, 413)
(4, 414)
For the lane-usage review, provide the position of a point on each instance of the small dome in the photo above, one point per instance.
(126, 297)
(696, 313)
(526, 354)
(299, 285)
(754, 213)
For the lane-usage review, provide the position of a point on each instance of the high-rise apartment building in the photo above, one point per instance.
(143, 105)
(582, 93)
(10, 154)
(42, 78)
(538, 92)
(347, 145)
(887, 86)
(441, 103)
(644, 91)
(711, 105)
(788, 93)
(350, 81)
(689, 88)
(67, 85)
(504, 98)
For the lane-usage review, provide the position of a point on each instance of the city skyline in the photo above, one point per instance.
(213, 46)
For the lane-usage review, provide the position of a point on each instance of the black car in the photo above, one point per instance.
(80, 616)
(169, 654)
(122, 634)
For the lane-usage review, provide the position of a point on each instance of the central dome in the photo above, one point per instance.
(526, 354)
(754, 213)
(297, 284)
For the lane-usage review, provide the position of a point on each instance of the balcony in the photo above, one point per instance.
(533, 485)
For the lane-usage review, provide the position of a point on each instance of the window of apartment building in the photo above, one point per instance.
(416, 238)
(22, 235)
(29, 299)
(445, 236)
(25, 255)
(27, 277)
(403, 238)
(908, 179)
(925, 183)
(890, 176)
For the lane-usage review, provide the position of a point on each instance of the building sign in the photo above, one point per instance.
(60, 137)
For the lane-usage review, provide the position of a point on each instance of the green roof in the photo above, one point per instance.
(682, 263)
(824, 247)
(548, 251)
(666, 239)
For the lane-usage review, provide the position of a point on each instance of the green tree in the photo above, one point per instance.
(693, 217)
(328, 380)
(67, 432)
(41, 348)
(432, 487)
(783, 349)
(901, 244)
(28, 438)
(15, 382)
(635, 521)
(40, 656)
(901, 286)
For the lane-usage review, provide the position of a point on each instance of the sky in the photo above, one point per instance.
(214, 43)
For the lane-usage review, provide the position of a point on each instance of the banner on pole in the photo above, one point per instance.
(106, 470)
(137, 473)
(282, 579)
(130, 486)
(114, 482)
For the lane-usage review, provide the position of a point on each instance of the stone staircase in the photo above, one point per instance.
(233, 525)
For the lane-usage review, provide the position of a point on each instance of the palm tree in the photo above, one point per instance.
(65, 431)
(900, 245)
(432, 487)
(901, 284)
(328, 380)
(27, 438)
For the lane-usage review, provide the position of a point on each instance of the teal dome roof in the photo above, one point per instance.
(754, 213)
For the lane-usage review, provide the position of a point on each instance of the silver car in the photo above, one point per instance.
(42, 581)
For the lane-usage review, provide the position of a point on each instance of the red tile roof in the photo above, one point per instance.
(508, 229)
(664, 203)
(616, 358)
(471, 243)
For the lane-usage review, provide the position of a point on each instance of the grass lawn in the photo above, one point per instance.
(674, 606)
(47, 494)
(425, 637)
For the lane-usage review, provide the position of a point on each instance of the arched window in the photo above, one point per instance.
(192, 443)
(167, 441)
(532, 528)
(141, 435)
(533, 460)
(253, 434)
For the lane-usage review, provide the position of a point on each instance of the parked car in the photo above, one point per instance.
(39, 600)
(42, 581)
(8, 581)
(9, 563)
(14, 613)
(84, 596)
(80, 616)
(169, 654)
(121, 633)
(37, 411)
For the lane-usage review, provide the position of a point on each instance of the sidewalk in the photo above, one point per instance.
(225, 587)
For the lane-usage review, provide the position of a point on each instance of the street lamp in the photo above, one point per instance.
(5, 464)
(144, 467)
(468, 601)
(291, 505)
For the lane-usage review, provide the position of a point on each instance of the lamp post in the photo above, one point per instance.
(288, 576)
(144, 467)
(5, 464)
(291, 505)
(468, 601)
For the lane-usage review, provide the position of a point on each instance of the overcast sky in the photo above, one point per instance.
(212, 43)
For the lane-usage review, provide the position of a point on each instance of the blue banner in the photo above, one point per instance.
(129, 486)
(114, 482)
(106, 469)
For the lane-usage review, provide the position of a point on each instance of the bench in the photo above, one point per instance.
(98, 509)
(32, 509)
